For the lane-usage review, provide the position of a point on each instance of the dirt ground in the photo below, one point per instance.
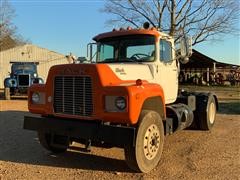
(187, 154)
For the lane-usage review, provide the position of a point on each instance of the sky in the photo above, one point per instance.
(68, 26)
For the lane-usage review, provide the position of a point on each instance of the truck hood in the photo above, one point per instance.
(132, 71)
(105, 74)
(21, 71)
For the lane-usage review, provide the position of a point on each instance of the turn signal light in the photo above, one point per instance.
(139, 82)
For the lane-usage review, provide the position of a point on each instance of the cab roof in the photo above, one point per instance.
(23, 62)
(129, 31)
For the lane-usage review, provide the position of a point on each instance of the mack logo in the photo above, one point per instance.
(120, 70)
(69, 71)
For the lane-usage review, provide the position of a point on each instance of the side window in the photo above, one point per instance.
(106, 52)
(144, 50)
(165, 51)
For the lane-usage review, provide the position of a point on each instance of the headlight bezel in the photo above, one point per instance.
(112, 103)
(39, 98)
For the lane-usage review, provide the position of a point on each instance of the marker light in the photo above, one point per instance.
(139, 82)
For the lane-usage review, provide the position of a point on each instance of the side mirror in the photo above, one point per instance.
(185, 50)
(90, 48)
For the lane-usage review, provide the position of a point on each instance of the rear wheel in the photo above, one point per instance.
(206, 116)
(46, 139)
(146, 154)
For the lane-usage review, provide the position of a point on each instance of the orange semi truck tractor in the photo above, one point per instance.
(127, 98)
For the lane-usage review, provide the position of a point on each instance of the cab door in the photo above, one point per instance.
(167, 71)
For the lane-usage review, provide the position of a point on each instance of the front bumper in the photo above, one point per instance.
(95, 131)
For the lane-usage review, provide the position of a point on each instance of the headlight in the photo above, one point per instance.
(115, 103)
(35, 98)
(40, 81)
(38, 98)
(120, 103)
(35, 75)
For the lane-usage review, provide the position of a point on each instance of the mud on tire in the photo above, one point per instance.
(146, 154)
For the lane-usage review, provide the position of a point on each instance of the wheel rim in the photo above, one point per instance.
(151, 142)
(212, 112)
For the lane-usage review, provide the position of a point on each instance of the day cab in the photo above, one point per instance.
(127, 97)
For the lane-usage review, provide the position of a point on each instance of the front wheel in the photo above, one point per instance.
(46, 138)
(146, 154)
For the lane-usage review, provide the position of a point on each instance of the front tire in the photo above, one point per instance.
(45, 141)
(146, 154)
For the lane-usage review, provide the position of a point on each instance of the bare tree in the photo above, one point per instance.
(8, 34)
(7, 14)
(202, 19)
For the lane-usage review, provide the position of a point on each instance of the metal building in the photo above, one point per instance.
(29, 53)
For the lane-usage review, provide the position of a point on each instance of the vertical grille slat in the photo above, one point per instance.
(73, 95)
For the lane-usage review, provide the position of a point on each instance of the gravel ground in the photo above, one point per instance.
(187, 154)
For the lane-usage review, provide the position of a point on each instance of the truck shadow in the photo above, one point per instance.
(229, 107)
(22, 146)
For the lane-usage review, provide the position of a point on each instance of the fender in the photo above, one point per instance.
(147, 96)
(10, 82)
(38, 108)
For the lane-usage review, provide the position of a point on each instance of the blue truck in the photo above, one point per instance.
(22, 75)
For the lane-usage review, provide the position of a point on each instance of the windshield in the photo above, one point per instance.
(140, 48)
(24, 67)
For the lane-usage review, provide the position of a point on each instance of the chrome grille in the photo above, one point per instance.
(73, 95)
